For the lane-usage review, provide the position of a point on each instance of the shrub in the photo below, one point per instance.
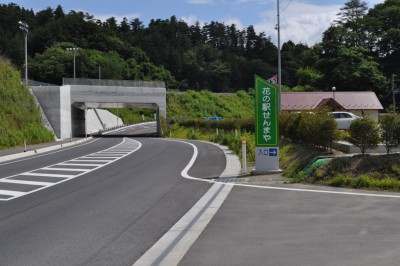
(315, 128)
(364, 134)
(390, 131)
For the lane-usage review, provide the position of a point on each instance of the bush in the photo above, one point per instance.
(318, 128)
(390, 131)
(364, 134)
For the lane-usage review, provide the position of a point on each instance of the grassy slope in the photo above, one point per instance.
(19, 116)
(199, 104)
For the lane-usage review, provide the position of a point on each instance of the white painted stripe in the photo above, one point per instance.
(47, 154)
(101, 157)
(26, 182)
(321, 191)
(110, 154)
(125, 142)
(171, 247)
(66, 169)
(49, 175)
(100, 161)
(80, 164)
(12, 193)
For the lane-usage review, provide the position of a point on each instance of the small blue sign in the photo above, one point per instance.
(273, 152)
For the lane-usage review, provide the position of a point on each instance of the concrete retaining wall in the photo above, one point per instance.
(65, 106)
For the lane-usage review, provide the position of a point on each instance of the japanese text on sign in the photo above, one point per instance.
(266, 109)
(266, 113)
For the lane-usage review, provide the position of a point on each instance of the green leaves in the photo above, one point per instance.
(364, 134)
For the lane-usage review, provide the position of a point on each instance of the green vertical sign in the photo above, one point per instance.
(267, 110)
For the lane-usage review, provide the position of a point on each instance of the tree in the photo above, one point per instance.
(382, 23)
(351, 19)
(364, 134)
(390, 132)
(59, 12)
(308, 77)
(355, 71)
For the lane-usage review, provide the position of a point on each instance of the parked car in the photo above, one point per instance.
(344, 119)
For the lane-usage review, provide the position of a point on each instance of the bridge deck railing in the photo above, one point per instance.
(110, 82)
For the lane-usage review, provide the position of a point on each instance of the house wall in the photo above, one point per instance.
(373, 114)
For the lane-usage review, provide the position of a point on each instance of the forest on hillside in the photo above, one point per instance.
(359, 51)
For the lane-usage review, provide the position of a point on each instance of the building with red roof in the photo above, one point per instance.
(361, 103)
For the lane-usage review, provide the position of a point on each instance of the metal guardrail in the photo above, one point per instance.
(110, 82)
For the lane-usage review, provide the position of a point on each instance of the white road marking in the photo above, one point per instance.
(94, 161)
(102, 157)
(79, 164)
(65, 169)
(26, 182)
(132, 145)
(47, 175)
(321, 191)
(12, 193)
(49, 153)
(171, 247)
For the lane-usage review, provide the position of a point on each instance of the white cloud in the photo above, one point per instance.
(300, 22)
(236, 21)
(192, 19)
(119, 18)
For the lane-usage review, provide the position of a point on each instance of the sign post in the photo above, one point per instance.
(267, 127)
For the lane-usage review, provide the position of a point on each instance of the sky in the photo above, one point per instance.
(301, 21)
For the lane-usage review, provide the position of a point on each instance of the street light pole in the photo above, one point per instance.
(74, 50)
(24, 26)
(279, 59)
(394, 93)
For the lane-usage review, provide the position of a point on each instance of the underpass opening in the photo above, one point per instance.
(96, 119)
(67, 106)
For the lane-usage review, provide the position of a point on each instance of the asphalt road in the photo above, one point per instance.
(107, 216)
(114, 213)
(261, 226)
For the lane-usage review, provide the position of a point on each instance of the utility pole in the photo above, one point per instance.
(24, 26)
(394, 92)
(279, 60)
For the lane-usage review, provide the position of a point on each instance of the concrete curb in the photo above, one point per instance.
(41, 150)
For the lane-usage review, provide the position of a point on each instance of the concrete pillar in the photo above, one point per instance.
(159, 127)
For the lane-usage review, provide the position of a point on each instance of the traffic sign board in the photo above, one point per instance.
(267, 110)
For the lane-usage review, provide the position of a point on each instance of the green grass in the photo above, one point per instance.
(365, 182)
(19, 116)
(193, 104)
(133, 115)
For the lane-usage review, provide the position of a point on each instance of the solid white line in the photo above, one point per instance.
(66, 169)
(108, 153)
(171, 247)
(101, 157)
(320, 191)
(26, 182)
(12, 193)
(79, 164)
(49, 175)
(95, 161)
